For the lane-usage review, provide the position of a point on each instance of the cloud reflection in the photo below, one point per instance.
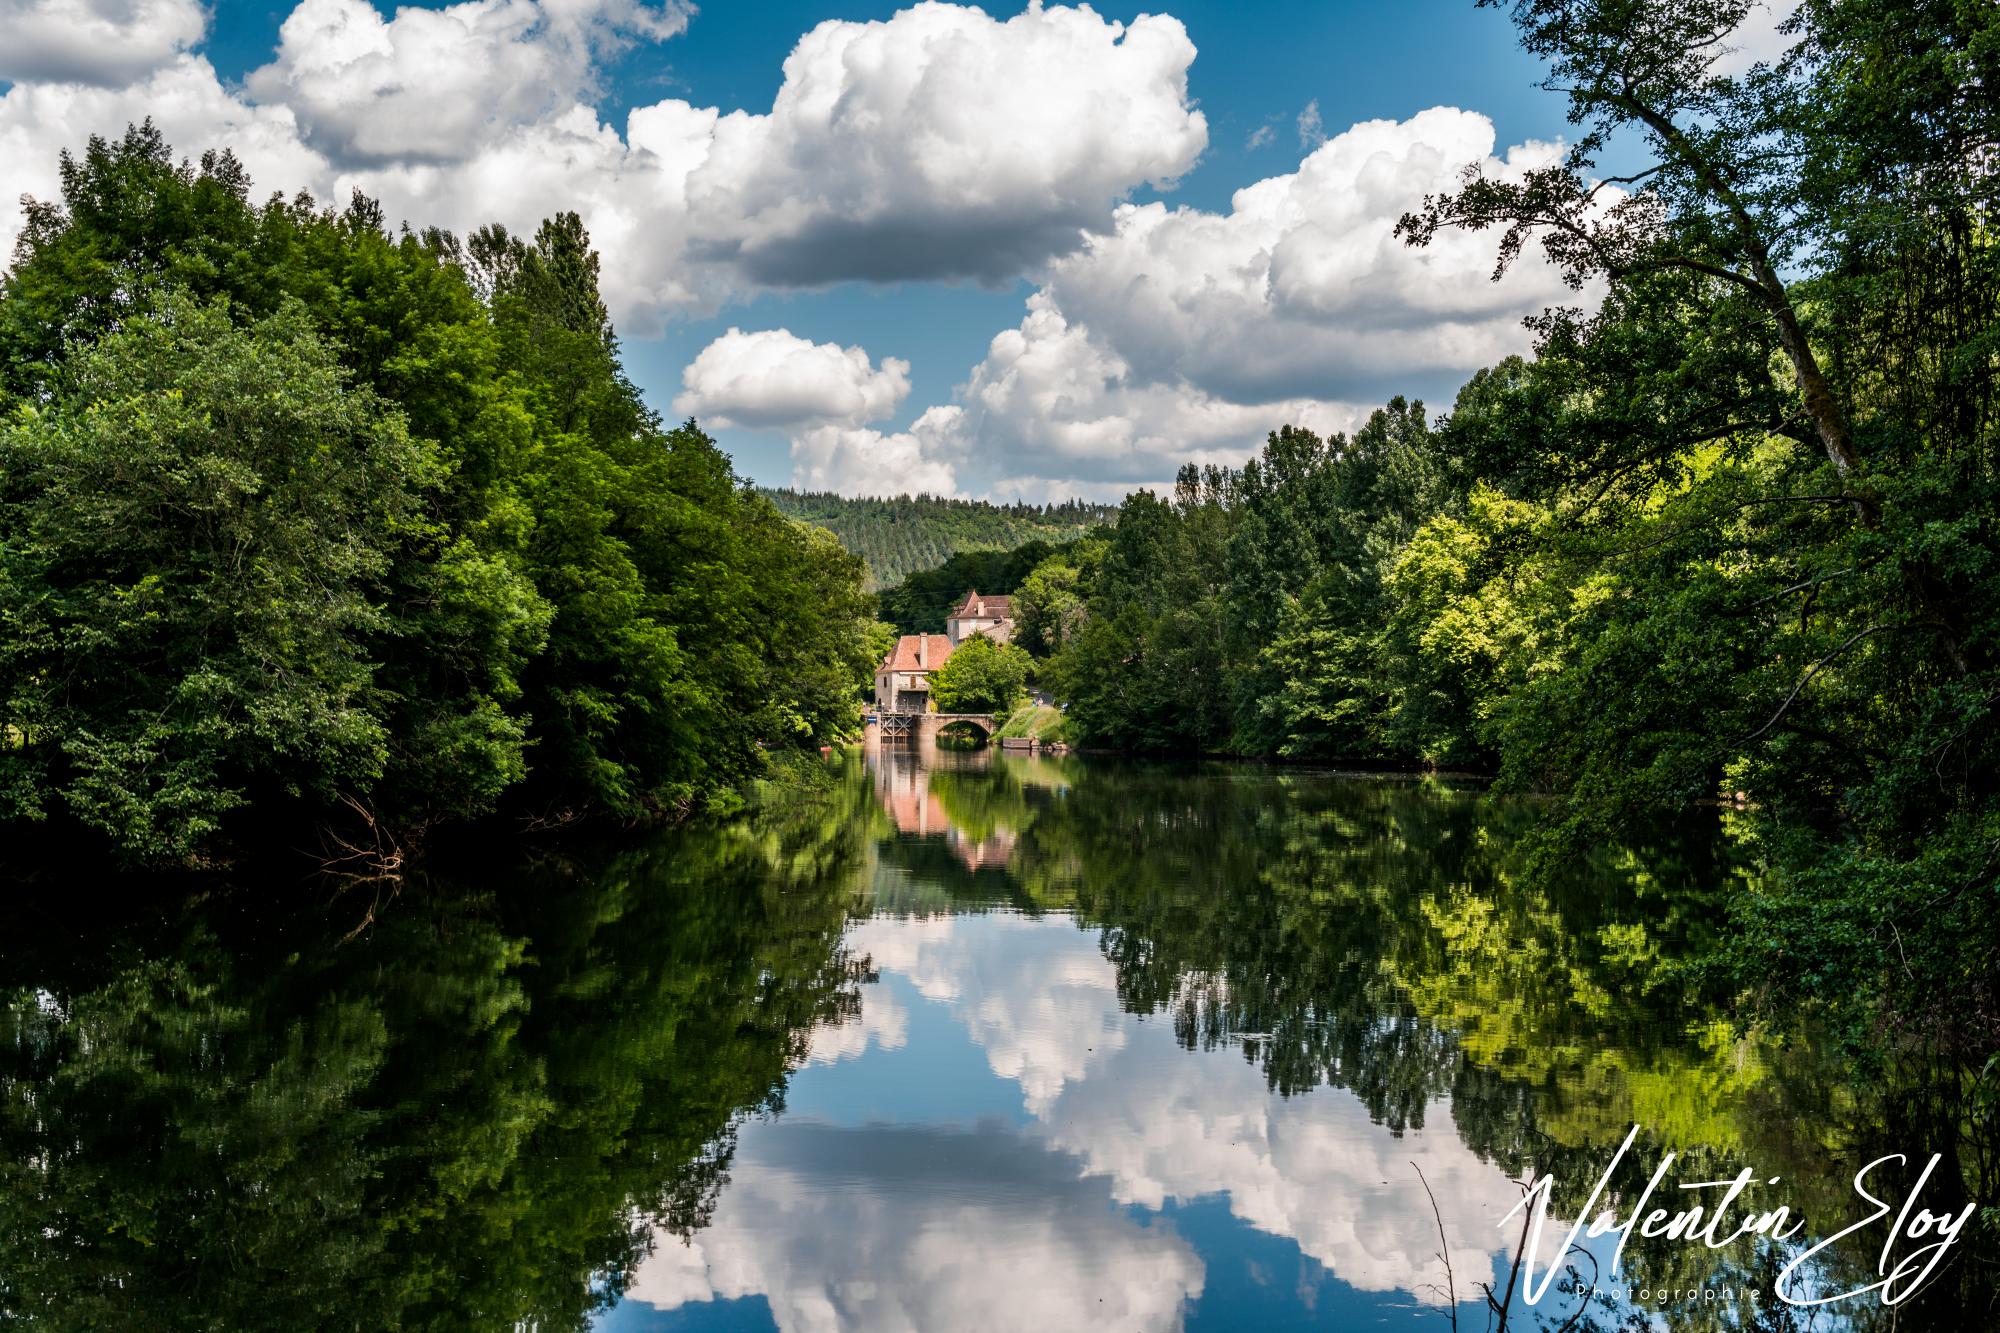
(1165, 1123)
(897, 1228)
(883, 1024)
(880, 1227)
(1035, 995)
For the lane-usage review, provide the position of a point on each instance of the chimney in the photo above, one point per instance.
(923, 649)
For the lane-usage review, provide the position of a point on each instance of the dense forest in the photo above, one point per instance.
(303, 518)
(1728, 535)
(902, 535)
(921, 602)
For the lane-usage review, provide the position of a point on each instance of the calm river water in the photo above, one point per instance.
(995, 1042)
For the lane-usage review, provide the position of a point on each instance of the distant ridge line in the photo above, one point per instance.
(901, 534)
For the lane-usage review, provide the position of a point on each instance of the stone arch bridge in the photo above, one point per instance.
(924, 728)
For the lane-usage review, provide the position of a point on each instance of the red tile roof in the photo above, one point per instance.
(975, 605)
(905, 656)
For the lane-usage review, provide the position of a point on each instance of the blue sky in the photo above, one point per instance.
(1259, 65)
(926, 182)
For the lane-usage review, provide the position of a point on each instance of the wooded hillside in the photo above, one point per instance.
(899, 535)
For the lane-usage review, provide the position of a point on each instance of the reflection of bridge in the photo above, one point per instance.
(924, 727)
(903, 784)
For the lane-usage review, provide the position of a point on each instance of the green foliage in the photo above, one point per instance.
(493, 582)
(1734, 530)
(220, 505)
(981, 676)
(921, 602)
(902, 535)
(1049, 605)
(1246, 613)
(1775, 455)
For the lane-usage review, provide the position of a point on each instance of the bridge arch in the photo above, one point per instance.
(925, 728)
(982, 723)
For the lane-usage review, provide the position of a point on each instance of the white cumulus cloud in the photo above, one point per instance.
(938, 143)
(860, 460)
(1184, 335)
(944, 143)
(1302, 288)
(821, 396)
(101, 42)
(775, 379)
(439, 85)
(1051, 403)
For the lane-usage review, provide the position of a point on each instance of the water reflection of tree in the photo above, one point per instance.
(470, 1115)
(476, 1112)
(1372, 934)
(1384, 937)
(951, 835)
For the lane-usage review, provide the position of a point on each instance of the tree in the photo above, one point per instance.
(1718, 204)
(981, 676)
(575, 610)
(1319, 527)
(1049, 606)
(1773, 455)
(197, 537)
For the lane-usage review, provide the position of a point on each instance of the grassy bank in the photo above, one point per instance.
(1034, 721)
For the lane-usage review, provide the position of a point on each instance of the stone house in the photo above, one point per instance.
(991, 616)
(903, 680)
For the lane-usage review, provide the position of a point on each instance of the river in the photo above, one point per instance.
(981, 1041)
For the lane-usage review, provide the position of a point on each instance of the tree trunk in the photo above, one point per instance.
(1829, 422)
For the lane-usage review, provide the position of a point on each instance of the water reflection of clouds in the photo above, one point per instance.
(896, 1228)
(1161, 1125)
(837, 1229)
(1043, 1009)
(883, 1024)
(1161, 1122)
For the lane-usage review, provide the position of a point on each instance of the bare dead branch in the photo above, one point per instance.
(1812, 671)
(1444, 1249)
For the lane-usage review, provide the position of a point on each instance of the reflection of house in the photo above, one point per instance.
(905, 792)
(903, 680)
(992, 852)
(904, 788)
(991, 616)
